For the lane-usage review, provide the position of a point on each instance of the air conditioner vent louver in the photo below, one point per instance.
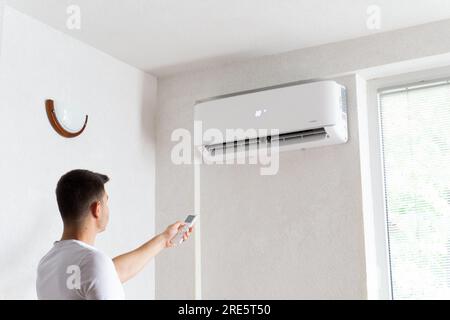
(282, 139)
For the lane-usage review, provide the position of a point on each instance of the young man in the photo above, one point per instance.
(74, 268)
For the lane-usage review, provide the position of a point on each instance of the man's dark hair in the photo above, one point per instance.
(76, 191)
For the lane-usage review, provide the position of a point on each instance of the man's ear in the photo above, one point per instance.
(95, 209)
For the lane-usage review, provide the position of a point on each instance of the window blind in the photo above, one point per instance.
(415, 135)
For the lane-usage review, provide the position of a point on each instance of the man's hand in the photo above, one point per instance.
(172, 230)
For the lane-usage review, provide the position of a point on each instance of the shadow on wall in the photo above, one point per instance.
(2, 10)
(148, 108)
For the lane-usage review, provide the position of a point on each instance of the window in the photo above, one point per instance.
(415, 145)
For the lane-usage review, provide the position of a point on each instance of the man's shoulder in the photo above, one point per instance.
(96, 259)
(81, 254)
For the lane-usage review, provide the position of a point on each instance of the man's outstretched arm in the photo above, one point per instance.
(130, 263)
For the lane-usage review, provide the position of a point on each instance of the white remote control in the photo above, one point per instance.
(189, 222)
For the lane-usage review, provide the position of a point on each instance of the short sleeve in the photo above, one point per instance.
(99, 279)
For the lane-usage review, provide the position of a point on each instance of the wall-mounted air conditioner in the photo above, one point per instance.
(306, 115)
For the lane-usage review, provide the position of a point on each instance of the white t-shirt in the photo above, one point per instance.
(74, 270)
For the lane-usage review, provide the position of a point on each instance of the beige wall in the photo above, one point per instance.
(295, 235)
(298, 234)
(2, 8)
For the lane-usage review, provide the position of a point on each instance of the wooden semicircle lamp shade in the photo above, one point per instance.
(56, 124)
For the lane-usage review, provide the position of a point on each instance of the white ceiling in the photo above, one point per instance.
(168, 36)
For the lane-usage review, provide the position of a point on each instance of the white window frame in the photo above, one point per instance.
(375, 222)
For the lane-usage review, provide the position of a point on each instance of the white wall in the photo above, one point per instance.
(39, 63)
(320, 204)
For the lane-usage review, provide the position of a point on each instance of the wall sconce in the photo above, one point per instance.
(63, 121)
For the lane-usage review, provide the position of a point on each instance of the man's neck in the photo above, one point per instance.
(82, 234)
